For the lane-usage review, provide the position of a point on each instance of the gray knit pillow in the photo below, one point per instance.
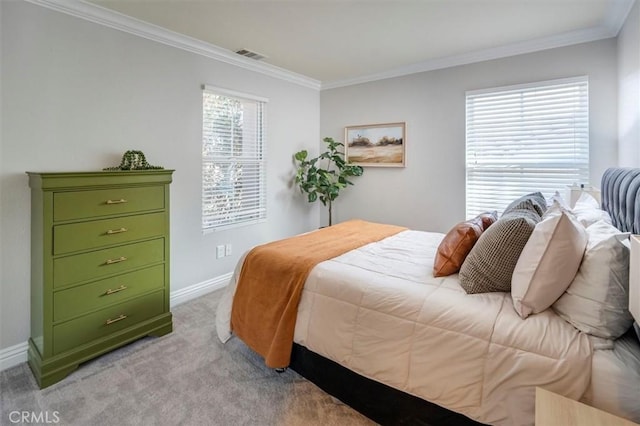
(491, 262)
(534, 201)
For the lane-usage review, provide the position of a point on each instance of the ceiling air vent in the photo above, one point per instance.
(249, 54)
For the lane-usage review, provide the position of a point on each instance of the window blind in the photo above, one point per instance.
(525, 138)
(233, 159)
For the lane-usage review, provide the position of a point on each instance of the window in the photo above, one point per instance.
(233, 159)
(525, 138)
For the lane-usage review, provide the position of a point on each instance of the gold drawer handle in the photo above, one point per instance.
(118, 260)
(120, 201)
(111, 321)
(116, 231)
(115, 290)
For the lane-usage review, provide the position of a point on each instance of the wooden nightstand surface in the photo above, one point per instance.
(556, 410)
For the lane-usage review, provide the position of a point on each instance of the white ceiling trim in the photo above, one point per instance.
(618, 15)
(611, 27)
(567, 39)
(121, 22)
(118, 21)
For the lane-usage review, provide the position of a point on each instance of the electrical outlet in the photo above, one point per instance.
(227, 250)
(219, 252)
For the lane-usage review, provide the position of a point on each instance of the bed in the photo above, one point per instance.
(376, 329)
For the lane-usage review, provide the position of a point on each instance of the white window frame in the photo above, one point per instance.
(252, 200)
(525, 138)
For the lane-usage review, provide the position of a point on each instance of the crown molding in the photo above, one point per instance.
(530, 46)
(109, 18)
(78, 8)
(612, 25)
(618, 15)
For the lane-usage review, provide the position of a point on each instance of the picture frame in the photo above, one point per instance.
(376, 145)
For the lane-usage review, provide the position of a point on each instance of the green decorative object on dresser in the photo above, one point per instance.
(99, 265)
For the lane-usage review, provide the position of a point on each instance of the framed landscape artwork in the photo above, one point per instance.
(380, 145)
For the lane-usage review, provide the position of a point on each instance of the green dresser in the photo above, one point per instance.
(99, 265)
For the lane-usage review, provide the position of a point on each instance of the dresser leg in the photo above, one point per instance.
(162, 330)
(54, 377)
(46, 373)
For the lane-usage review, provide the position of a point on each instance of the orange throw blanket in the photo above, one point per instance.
(270, 285)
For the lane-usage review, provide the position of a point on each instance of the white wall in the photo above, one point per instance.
(429, 194)
(77, 95)
(629, 90)
(2, 295)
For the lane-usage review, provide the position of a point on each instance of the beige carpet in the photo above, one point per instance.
(185, 378)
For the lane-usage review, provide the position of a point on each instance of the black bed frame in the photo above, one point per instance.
(381, 403)
(388, 406)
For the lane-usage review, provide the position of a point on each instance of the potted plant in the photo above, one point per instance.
(324, 176)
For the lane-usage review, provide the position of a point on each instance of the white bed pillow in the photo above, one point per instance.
(597, 301)
(587, 201)
(556, 208)
(548, 263)
(588, 211)
(557, 199)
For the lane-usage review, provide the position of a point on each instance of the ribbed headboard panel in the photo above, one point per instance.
(621, 197)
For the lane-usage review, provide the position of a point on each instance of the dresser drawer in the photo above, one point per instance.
(105, 232)
(97, 295)
(98, 324)
(105, 202)
(101, 263)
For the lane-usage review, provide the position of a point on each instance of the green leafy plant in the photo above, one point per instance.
(134, 160)
(324, 176)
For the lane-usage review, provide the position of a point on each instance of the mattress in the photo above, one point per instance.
(379, 312)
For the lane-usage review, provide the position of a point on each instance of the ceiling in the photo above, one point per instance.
(338, 42)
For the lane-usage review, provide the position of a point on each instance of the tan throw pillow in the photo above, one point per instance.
(490, 264)
(548, 263)
(455, 247)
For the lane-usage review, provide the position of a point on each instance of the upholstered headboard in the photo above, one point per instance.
(620, 194)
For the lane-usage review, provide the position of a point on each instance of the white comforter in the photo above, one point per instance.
(379, 311)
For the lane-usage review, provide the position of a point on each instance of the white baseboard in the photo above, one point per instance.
(13, 355)
(196, 290)
(17, 354)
